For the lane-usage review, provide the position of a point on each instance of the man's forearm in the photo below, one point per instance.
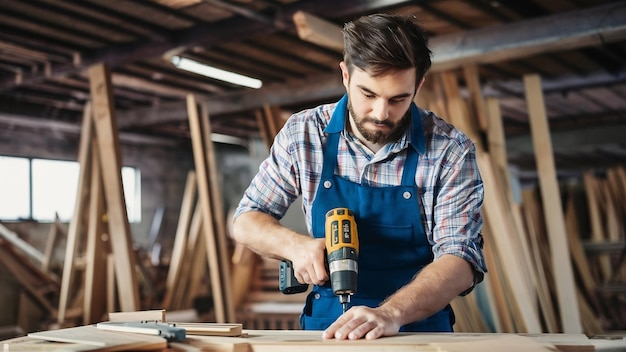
(263, 234)
(431, 290)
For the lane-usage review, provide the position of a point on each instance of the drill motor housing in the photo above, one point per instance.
(342, 248)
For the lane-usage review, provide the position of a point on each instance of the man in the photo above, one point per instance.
(411, 180)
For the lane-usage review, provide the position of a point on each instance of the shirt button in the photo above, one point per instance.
(406, 195)
(317, 295)
(328, 184)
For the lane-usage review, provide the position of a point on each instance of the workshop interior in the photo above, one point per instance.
(129, 130)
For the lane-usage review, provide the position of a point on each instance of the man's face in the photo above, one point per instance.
(379, 105)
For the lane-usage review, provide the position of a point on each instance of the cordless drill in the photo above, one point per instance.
(342, 253)
(342, 249)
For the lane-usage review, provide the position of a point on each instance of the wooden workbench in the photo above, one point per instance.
(304, 341)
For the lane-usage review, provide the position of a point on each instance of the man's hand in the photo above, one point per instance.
(363, 322)
(308, 261)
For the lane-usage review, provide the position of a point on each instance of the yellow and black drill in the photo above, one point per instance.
(342, 255)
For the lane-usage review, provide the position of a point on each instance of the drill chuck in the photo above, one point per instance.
(343, 268)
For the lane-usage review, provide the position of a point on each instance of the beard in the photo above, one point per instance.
(396, 130)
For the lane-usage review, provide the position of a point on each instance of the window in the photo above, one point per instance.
(14, 188)
(39, 188)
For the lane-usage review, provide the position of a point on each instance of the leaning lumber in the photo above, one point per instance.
(105, 123)
(565, 287)
(212, 211)
(76, 223)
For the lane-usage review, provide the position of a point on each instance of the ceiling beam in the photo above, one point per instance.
(315, 89)
(318, 31)
(571, 30)
(232, 29)
(506, 42)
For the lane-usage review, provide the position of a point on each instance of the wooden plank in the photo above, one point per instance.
(110, 158)
(94, 306)
(305, 341)
(532, 217)
(180, 239)
(563, 273)
(496, 299)
(496, 143)
(110, 274)
(112, 341)
(598, 220)
(457, 109)
(219, 220)
(50, 243)
(525, 280)
(22, 245)
(590, 321)
(196, 283)
(157, 315)
(431, 97)
(29, 344)
(501, 228)
(318, 31)
(76, 223)
(211, 329)
(216, 250)
(192, 246)
(472, 81)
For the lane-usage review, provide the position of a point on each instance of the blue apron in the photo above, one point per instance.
(393, 245)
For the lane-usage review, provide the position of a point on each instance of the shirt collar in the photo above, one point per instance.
(415, 131)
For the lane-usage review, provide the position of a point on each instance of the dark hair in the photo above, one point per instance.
(380, 43)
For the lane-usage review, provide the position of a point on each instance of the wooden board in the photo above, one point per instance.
(318, 31)
(304, 341)
(212, 212)
(180, 240)
(94, 304)
(103, 339)
(105, 123)
(76, 223)
(29, 344)
(553, 212)
(211, 329)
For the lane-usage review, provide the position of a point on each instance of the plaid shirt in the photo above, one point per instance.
(447, 177)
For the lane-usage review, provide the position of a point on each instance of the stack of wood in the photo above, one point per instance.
(541, 277)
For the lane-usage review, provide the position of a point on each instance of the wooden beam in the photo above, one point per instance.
(318, 31)
(105, 123)
(477, 103)
(51, 240)
(180, 240)
(235, 28)
(24, 246)
(212, 212)
(509, 42)
(94, 305)
(553, 211)
(77, 221)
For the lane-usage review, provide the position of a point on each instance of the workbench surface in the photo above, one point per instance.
(303, 341)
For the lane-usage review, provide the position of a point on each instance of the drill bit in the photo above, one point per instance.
(344, 299)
